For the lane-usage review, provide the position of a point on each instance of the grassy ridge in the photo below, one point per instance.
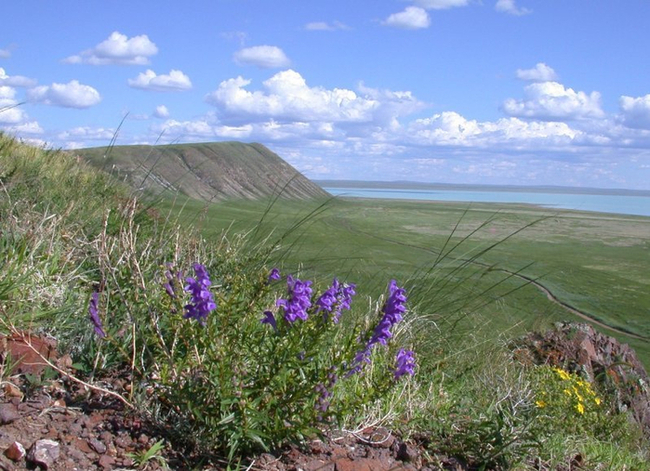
(209, 171)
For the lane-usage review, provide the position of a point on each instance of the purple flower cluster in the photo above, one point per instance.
(335, 299)
(202, 302)
(324, 391)
(298, 300)
(404, 363)
(393, 309)
(93, 311)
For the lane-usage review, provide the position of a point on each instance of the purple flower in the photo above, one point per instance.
(274, 275)
(202, 302)
(298, 300)
(93, 312)
(393, 309)
(404, 363)
(335, 299)
(269, 318)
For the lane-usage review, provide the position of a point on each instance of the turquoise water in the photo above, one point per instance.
(618, 204)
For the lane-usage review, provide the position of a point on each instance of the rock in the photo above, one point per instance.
(106, 462)
(579, 348)
(8, 414)
(97, 445)
(15, 451)
(11, 390)
(43, 453)
(21, 346)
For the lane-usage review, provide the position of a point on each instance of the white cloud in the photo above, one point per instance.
(117, 49)
(10, 110)
(540, 73)
(203, 128)
(69, 95)
(30, 127)
(5, 53)
(551, 101)
(441, 4)
(15, 80)
(509, 6)
(161, 112)
(266, 57)
(636, 111)
(451, 129)
(287, 97)
(324, 26)
(174, 82)
(87, 133)
(410, 18)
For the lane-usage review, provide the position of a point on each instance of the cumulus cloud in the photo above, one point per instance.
(551, 101)
(117, 49)
(287, 98)
(451, 129)
(266, 57)
(69, 95)
(30, 128)
(509, 6)
(410, 18)
(161, 111)
(441, 4)
(15, 80)
(540, 73)
(175, 81)
(325, 26)
(10, 110)
(636, 111)
(87, 133)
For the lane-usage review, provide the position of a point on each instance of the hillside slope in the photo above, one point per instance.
(206, 171)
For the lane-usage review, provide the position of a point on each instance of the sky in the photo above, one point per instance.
(504, 92)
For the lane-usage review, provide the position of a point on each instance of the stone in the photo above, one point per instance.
(15, 451)
(43, 453)
(8, 414)
(97, 445)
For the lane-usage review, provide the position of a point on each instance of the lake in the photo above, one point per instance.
(604, 203)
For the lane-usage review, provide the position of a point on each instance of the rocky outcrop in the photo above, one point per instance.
(613, 366)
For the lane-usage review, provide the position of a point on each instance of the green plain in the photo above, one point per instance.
(474, 262)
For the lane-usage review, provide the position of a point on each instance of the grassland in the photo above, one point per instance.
(595, 263)
(103, 273)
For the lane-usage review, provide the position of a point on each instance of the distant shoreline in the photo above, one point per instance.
(405, 185)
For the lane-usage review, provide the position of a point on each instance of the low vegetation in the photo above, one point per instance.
(233, 347)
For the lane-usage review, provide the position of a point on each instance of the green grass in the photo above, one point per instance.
(68, 231)
(595, 263)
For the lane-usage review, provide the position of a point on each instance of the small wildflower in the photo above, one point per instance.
(269, 318)
(541, 404)
(393, 309)
(335, 299)
(93, 311)
(299, 300)
(202, 302)
(274, 275)
(405, 363)
(580, 407)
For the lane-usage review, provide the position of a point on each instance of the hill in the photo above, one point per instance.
(206, 171)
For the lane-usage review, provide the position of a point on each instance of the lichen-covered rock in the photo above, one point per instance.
(601, 359)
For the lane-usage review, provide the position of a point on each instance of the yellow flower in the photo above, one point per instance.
(597, 400)
(539, 403)
(580, 408)
(562, 374)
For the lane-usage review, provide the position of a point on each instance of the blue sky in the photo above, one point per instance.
(525, 92)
